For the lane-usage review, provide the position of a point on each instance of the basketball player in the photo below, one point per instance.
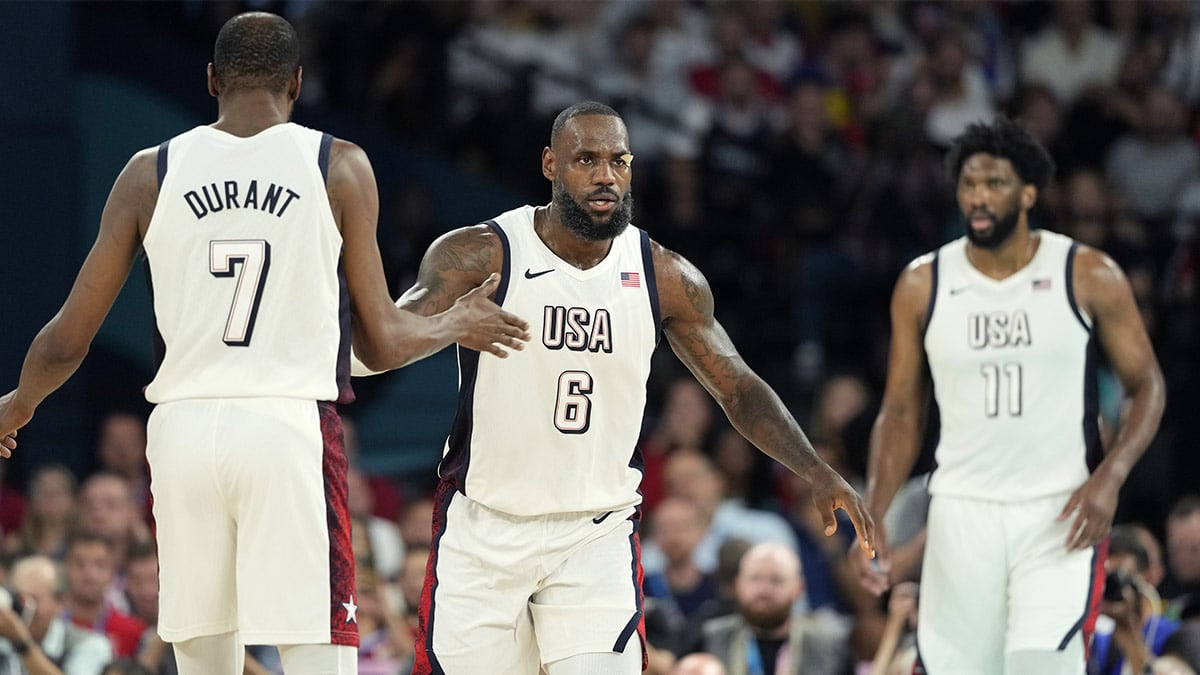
(1006, 320)
(535, 560)
(260, 236)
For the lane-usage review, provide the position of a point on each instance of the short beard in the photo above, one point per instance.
(577, 219)
(768, 619)
(1002, 229)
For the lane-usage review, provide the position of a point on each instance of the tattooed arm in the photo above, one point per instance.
(455, 263)
(753, 408)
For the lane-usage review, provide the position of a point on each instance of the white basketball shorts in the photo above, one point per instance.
(997, 579)
(252, 522)
(506, 594)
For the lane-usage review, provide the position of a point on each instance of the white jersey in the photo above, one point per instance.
(554, 428)
(1012, 370)
(244, 257)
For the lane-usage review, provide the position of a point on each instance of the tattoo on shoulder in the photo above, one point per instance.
(467, 252)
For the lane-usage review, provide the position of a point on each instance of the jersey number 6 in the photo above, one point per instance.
(573, 409)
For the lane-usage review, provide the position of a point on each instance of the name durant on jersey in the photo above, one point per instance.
(216, 197)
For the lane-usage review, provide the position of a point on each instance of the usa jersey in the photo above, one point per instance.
(1012, 369)
(553, 428)
(244, 257)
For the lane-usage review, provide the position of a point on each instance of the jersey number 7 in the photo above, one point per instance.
(255, 258)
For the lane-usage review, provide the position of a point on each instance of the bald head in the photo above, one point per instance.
(767, 584)
(256, 50)
(576, 110)
(35, 576)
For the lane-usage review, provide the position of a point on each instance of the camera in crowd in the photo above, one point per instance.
(1115, 583)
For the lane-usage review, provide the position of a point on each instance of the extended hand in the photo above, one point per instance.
(485, 326)
(831, 492)
(873, 573)
(11, 419)
(1094, 504)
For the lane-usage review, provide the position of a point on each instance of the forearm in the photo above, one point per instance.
(404, 338)
(49, 363)
(1143, 410)
(35, 662)
(894, 446)
(757, 412)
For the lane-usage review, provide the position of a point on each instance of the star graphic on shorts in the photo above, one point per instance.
(351, 610)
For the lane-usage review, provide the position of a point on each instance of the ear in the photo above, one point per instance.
(213, 89)
(294, 86)
(1028, 197)
(548, 163)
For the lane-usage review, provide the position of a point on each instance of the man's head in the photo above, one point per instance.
(38, 580)
(90, 567)
(679, 525)
(587, 162)
(122, 444)
(1183, 540)
(998, 169)
(768, 584)
(256, 50)
(691, 475)
(141, 583)
(106, 507)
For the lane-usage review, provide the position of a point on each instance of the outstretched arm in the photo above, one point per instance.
(753, 408)
(386, 337)
(60, 346)
(1104, 293)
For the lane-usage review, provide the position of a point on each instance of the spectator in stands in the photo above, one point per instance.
(766, 631)
(1072, 54)
(121, 449)
(51, 517)
(681, 588)
(1182, 585)
(44, 641)
(90, 567)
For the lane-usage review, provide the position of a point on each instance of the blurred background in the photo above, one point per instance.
(792, 150)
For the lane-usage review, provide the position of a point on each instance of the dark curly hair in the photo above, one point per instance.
(256, 50)
(1006, 139)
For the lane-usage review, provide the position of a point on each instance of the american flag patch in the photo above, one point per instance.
(1041, 284)
(631, 280)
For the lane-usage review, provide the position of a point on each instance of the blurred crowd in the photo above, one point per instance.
(793, 150)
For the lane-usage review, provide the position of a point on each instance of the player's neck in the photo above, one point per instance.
(581, 253)
(1007, 259)
(245, 113)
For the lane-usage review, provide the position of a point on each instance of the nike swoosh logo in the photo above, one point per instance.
(530, 274)
(953, 291)
(600, 519)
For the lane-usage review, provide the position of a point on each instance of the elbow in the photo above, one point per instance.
(59, 351)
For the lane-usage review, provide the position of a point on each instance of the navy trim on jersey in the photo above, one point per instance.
(323, 155)
(162, 162)
(1071, 285)
(634, 565)
(159, 344)
(933, 274)
(1087, 603)
(651, 284)
(502, 289)
(458, 444)
(1094, 451)
(342, 373)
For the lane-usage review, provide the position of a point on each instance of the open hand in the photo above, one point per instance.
(831, 492)
(486, 327)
